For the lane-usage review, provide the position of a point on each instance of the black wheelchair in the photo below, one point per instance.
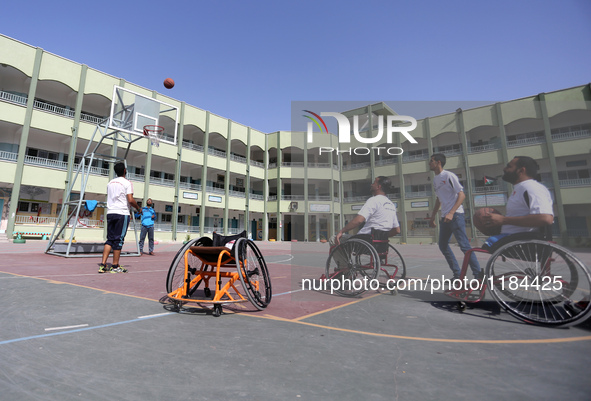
(532, 278)
(360, 260)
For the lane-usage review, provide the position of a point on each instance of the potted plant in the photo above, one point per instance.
(187, 239)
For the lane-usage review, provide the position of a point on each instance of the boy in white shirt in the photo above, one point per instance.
(450, 196)
(119, 197)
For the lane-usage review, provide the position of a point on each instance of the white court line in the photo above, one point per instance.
(289, 292)
(84, 274)
(66, 327)
(157, 314)
(281, 261)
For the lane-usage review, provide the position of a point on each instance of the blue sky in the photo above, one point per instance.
(248, 60)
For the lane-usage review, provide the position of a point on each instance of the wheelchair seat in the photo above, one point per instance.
(211, 254)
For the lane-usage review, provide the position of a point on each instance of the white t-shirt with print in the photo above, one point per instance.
(528, 197)
(447, 187)
(379, 213)
(117, 191)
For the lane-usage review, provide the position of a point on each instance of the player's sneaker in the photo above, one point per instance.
(103, 268)
(118, 269)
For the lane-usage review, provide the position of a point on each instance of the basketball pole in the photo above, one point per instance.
(83, 172)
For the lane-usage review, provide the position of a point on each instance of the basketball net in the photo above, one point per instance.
(155, 133)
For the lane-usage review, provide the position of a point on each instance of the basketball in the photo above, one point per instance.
(168, 83)
(479, 221)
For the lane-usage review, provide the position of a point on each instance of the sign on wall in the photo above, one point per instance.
(490, 200)
(319, 207)
(190, 195)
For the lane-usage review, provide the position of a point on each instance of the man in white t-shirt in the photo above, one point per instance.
(529, 208)
(119, 198)
(450, 196)
(378, 213)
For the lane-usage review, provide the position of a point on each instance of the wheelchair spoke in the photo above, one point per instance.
(540, 282)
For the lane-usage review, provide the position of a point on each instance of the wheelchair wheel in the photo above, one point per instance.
(355, 263)
(393, 264)
(176, 272)
(253, 273)
(540, 282)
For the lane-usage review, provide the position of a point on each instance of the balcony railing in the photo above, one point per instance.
(257, 164)
(35, 220)
(162, 181)
(237, 158)
(414, 158)
(483, 148)
(385, 162)
(579, 182)
(216, 152)
(319, 165)
(256, 196)
(13, 98)
(419, 194)
(10, 156)
(574, 233)
(189, 185)
(524, 142)
(356, 166)
(421, 232)
(215, 190)
(292, 164)
(192, 146)
(567, 136)
(136, 177)
(352, 199)
(292, 197)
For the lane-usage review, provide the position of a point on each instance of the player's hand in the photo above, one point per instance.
(432, 223)
(338, 237)
(448, 217)
(493, 219)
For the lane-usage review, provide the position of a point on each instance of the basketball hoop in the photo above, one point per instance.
(155, 132)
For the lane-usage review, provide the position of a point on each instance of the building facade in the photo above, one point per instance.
(226, 177)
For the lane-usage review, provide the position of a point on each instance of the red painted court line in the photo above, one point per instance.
(147, 279)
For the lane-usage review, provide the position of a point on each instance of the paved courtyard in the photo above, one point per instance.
(68, 333)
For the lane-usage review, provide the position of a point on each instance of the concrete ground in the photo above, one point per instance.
(68, 333)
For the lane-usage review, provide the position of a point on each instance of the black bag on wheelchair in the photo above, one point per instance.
(380, 240)
(222, 240)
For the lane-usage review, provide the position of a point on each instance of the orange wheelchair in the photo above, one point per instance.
(226, 264)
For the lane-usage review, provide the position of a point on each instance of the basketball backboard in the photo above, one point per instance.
(131, 111)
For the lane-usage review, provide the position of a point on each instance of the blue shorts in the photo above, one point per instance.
(117, 225)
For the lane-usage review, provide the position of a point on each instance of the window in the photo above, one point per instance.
(576, 163)
(23, 206)
(166, 218)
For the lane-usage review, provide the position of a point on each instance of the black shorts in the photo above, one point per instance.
(117, 225)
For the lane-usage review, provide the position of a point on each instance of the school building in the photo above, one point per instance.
(226, 177)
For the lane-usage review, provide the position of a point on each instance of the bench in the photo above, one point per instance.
(21, 234)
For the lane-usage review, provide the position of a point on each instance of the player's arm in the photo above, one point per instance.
(434, 215)
(450, 216)
(133, 203)
(357, 221)
(394, 231)
(529, 220)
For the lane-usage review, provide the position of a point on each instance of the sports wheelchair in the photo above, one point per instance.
(534, 280)
(363, 257)
(204, 259)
